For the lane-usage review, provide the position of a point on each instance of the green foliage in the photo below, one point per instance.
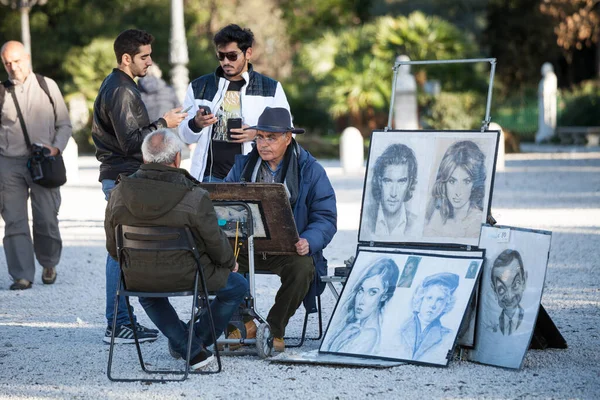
(579, 106)
(521, 38)
(448, 111)
(352, 68)
(517, 113)
(306, 19)
(88, 66)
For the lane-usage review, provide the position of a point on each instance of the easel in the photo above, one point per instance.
(242, 208)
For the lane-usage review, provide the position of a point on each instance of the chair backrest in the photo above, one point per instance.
(157, 258)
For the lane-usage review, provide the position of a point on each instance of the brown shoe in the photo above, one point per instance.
(278, 345)
(49, 275)
(237, 334)
(20, 284)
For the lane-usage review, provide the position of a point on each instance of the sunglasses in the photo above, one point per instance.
(231, 56)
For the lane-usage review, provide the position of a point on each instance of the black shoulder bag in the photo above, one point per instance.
(48, 171)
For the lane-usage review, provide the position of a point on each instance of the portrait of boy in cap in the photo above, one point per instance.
(423, 330)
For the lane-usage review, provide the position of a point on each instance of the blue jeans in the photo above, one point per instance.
(113, 273)
(164, 316)
(213, 179)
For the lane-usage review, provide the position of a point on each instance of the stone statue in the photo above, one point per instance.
(405, 101)
(546, 104)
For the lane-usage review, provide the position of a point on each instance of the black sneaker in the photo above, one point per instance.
(142, 328)
(124, 334)
(201, 359)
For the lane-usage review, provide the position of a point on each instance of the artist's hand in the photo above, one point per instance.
(241, 136)
(235, 269)
(302, 247)
(53, 150)
(174, 117)
(202, 121)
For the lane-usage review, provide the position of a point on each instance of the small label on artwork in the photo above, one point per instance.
(501, 235)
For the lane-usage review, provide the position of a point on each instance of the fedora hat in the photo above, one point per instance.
(276, 119)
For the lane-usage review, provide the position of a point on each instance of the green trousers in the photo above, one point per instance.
(296, 273)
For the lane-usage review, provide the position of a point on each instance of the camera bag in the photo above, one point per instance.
(47, 171)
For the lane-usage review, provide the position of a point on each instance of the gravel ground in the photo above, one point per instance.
(51, 336)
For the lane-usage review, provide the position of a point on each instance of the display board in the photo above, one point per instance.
(431, 187)
(511, 291)
(404, 307)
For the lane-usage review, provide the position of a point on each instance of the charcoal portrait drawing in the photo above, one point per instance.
(455, 208)
(360, 330)
(509, 280)
(423, 331)
(392, 186)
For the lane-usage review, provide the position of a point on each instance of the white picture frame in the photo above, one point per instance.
(384, 298)
(428, 186)
(512, 285)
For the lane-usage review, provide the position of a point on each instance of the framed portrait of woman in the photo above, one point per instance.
(402, 306)
(428, 187)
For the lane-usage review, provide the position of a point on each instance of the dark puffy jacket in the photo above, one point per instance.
(157, 195)
(120, 125)
(157, 96)
(315, 211)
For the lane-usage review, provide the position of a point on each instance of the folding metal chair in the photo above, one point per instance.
(132, 238)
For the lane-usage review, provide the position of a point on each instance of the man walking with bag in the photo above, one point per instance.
(33, 111)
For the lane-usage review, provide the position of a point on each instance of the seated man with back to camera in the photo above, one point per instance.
(278, 158)
(162, 194)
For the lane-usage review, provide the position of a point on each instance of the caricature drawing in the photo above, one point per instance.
(392, 186)
(455, 208)
(423, 331)
(360, 330)
(509, 279)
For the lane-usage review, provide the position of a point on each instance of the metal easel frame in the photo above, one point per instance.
(485, 123)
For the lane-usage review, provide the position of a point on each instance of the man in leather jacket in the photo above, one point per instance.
(119, 127)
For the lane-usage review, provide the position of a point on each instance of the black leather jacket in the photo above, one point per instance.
(120, 125)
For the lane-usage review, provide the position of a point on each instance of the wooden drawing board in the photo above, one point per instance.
(274, 226)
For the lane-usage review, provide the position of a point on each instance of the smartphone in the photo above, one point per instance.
(186, 110)
(233, 123)
(205, 110)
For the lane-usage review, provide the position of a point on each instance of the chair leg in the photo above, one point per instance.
(210, 319)
(135, 337)
(303, 337)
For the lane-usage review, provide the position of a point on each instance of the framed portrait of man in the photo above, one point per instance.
(511, 291)
(405, 307)
(428, 187)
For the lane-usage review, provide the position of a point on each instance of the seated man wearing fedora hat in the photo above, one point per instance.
(278, 158)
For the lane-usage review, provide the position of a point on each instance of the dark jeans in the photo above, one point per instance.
(164, 316)
(296, 273)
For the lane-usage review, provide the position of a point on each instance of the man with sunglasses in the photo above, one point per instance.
(278, 158)
(234, 90)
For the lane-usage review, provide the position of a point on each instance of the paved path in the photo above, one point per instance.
(50, 336)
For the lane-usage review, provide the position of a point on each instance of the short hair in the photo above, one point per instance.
(418, 295)
(388, 270)
(395, 154)
(465, 154)
(234, 33)
(130, 41)
(161, 147)
(505, 258)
